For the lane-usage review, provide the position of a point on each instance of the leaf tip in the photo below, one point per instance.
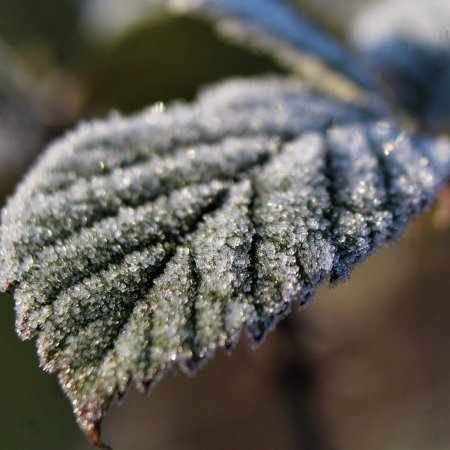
(92, 430)
(8, 288)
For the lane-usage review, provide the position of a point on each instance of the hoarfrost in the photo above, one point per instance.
(144, 243)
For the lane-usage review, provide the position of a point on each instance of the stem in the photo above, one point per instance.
(298, 384)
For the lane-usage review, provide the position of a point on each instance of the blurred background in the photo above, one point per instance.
(367, 366)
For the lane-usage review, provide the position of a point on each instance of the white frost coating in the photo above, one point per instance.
(139, 244)
(272, 25)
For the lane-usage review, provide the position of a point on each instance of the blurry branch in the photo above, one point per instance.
(298, 383)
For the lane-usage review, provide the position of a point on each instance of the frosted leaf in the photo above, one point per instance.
(141, 244)
(277, 27)
(408, 43)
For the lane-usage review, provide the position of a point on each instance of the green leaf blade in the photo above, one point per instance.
(199, 221)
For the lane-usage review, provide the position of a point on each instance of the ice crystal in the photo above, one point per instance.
(140, 244)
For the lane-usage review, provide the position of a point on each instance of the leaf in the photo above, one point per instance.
(141, 244)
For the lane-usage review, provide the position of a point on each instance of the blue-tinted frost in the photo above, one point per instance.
(143, 243)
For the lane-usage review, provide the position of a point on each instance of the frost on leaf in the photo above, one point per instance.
(145, 243)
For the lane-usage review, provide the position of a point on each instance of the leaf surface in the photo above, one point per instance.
(140, 244)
